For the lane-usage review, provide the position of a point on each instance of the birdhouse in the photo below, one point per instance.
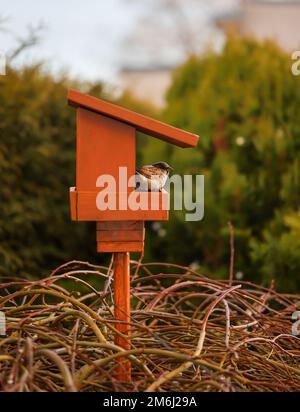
(106, 145)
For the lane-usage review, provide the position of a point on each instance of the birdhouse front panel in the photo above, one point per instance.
(103, 145)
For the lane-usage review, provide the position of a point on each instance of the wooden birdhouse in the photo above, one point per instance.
(106, 145)
(106, 142)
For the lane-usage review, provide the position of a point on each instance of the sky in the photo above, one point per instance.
(83, 38)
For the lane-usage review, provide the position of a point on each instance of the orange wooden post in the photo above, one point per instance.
(121, 265)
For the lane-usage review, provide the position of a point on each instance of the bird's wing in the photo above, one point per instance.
(148, 171)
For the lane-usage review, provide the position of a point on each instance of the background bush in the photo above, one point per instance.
(245, 105)
(37, 160)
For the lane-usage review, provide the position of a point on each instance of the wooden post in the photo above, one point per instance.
(121, 261)
(121, 238)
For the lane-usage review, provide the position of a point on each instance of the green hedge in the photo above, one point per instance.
(245, 105)
(243, 102)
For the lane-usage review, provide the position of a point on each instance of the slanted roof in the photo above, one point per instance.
(142, 123)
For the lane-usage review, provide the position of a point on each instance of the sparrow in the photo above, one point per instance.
(152, 178)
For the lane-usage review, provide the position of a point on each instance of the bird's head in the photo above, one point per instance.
(163, 166)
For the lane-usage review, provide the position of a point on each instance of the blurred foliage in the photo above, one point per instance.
(245, 105)
(37, 166)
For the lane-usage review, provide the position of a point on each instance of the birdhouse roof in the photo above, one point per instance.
(142, 123)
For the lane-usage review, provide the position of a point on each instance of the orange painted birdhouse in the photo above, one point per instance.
(106, 147)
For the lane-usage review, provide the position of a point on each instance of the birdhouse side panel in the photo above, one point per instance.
(103, 145)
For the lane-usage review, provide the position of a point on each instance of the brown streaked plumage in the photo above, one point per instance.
(152, 177)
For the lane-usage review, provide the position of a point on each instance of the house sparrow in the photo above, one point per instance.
(152, 178)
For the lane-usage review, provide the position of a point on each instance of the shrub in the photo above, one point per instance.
(245, 104)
